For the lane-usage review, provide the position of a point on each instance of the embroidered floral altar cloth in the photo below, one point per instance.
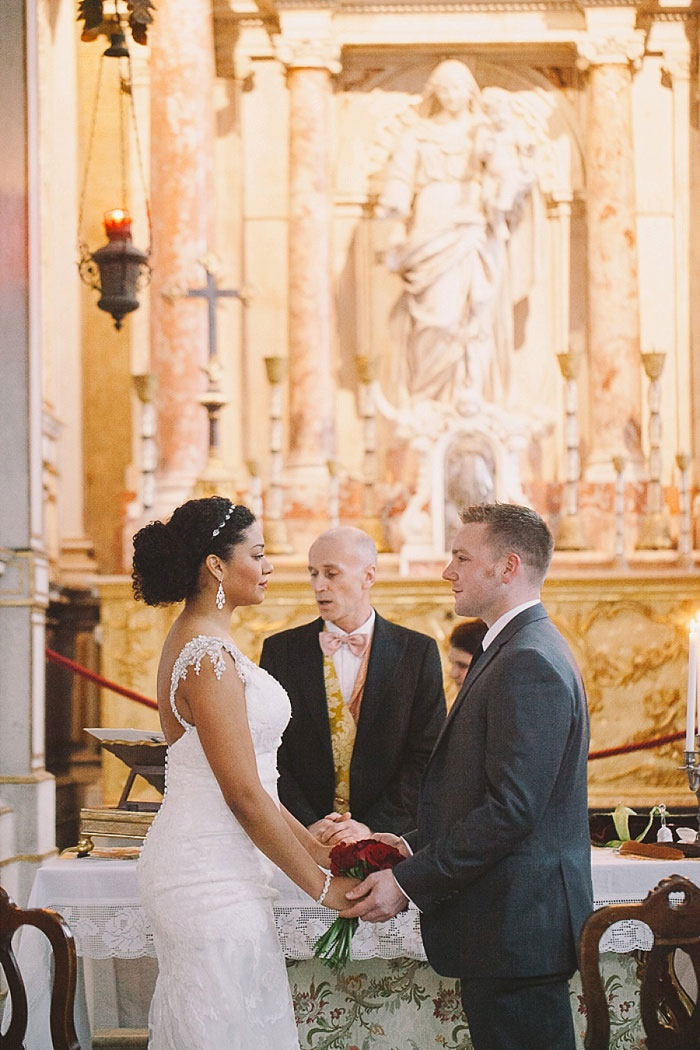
(388, 998)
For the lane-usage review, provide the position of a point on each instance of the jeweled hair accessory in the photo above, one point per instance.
(229, 512)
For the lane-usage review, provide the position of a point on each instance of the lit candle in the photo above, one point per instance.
(117, 223)
(691, 701)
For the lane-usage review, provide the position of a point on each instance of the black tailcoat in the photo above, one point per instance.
(402, 712)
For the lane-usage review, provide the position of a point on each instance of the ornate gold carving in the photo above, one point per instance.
(617, 48)
(676, 66)
(628, 634)
(307, 53)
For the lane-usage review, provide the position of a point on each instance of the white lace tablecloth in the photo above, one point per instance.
(99, 900)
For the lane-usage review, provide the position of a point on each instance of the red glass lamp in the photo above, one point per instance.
(117, 268)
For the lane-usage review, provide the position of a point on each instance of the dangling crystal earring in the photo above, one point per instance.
(220, 597)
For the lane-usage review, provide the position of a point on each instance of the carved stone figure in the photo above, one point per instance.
(455, 183)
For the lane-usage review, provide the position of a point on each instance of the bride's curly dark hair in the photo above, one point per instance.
(168, 555)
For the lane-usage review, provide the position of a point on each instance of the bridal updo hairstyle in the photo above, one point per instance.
(168, 555)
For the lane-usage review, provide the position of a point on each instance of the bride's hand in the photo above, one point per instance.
(340, 885)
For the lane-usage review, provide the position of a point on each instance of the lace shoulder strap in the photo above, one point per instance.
(192, 655)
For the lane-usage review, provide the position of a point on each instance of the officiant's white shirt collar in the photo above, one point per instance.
(364, 628)
(501, 622)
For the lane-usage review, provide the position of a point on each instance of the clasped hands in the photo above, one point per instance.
(378, 897)
(339, 827)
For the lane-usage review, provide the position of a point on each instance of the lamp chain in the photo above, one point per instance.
(88, 155)
(139, 155)
(124, 93)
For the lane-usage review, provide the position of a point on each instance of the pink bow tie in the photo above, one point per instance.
(331, 641)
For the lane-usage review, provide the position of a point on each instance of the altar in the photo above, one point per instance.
(389, 992)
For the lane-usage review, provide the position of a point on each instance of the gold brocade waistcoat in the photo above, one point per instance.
(343, 729)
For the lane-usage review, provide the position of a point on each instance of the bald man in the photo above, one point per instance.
(367, 701)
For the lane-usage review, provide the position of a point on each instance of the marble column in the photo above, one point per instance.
(677, 68)
(613, 292)
(27, 791)
(311, 353)
(182, 195)
(70, 550)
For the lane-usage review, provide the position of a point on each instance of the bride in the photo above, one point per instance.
(206, 868)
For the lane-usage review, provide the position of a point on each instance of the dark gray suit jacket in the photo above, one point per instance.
(501, 869)
(402, 712)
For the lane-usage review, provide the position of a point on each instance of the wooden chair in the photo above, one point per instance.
(50, 923)
(671, 1020)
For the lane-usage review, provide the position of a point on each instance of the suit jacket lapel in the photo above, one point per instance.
(535, 612)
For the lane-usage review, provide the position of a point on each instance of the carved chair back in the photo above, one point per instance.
(670, 1018)
(50, 923)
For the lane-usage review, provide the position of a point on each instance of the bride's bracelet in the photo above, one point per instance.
(326, 887)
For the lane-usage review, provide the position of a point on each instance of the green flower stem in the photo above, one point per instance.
(334, 946)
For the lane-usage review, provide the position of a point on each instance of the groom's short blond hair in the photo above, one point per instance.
(517, 529)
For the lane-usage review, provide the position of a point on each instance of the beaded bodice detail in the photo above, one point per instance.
(267, 720)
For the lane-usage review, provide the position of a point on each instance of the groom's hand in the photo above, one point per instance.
(381, 898)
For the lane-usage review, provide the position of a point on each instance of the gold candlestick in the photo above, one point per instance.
(275, 528)
(146, 387)
(655, 533)
(333, 493)
(685, 543)
(254, 497)
(619, 468)
(570, 533)
(367, 374)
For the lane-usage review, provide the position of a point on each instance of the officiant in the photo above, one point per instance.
(367, 701)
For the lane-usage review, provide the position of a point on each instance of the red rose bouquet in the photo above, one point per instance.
(358, 859)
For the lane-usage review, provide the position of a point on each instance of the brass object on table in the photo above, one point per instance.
(111, 823)
(144, 755)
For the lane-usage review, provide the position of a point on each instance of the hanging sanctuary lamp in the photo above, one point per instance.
(118, 269)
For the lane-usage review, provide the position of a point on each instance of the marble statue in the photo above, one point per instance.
(455, 183)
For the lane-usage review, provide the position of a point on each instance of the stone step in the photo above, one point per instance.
(120, 1038)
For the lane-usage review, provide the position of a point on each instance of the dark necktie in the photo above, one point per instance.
(477, 656)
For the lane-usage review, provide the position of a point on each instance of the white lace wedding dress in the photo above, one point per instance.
(222, 982)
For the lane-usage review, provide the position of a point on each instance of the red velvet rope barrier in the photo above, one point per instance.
(63, 661)
(645, 745)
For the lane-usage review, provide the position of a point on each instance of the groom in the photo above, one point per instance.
(500, 861)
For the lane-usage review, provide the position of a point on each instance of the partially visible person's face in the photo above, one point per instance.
(474, 573)
(247, 570)
(341, 582)
(459, 662)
